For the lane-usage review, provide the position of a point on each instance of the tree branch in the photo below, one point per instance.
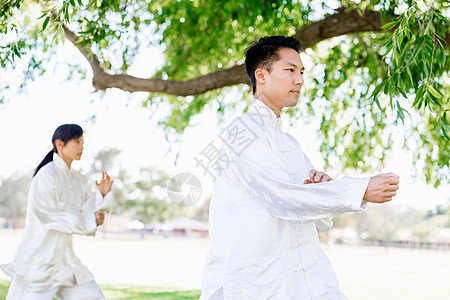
(341, 23)
(87, 53)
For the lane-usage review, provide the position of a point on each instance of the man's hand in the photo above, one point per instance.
(382, 188)
(99, 217)
(105, 184)
(316, 177)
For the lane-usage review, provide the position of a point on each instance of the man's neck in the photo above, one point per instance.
(267, 101)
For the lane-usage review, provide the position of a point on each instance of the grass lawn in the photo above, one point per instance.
(132, 293)
(3, 289)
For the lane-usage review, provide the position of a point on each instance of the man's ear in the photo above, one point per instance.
(260, 76)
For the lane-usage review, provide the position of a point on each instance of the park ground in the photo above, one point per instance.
(128, 267)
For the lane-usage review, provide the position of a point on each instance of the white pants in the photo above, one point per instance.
(88, 291)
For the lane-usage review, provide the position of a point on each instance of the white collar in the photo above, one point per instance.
(262, 114)
(60, 163)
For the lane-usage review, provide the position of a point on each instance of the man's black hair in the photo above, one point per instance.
(264, 52)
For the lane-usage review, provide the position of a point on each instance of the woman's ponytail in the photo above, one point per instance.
(64, 133)
(48, 158)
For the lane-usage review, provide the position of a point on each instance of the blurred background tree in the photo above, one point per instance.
(13, 199)
(142, 197)
(389, 223)
(148, 200)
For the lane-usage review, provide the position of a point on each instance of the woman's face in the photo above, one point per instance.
(72, 150)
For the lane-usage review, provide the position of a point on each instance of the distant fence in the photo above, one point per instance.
(408, 244)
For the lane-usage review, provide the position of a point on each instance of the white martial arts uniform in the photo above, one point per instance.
(61, 202)
(263, 219)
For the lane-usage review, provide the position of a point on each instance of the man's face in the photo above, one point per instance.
(281, 86)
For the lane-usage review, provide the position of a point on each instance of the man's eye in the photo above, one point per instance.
(291, 70)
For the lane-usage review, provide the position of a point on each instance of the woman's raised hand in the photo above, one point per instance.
(105, 184)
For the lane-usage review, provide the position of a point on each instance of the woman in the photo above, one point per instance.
(61, 202)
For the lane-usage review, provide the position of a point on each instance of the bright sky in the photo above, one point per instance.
(28, 121)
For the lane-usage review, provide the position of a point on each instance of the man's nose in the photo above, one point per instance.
(299, 80)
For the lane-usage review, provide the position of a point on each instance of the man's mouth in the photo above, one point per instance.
(296, 92)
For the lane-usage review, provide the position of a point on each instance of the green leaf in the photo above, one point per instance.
(405, 51)
(419, 95)
(56, 30)
(386, 88)
(424, 68)
(72, 2)
(378, 104)
(400, 114)
(395, 78)
(62, 34)
(444, 119)
(391, 24)
(400, 40)
(416, 53)
(432, 101)
(444, 132)
(408, 70)
(434, 92)
(45, 23)
(16, 52)
(378, 88)
(443, 57)
(402, 91)
(407, 29)
(445, 125)
(388, 43)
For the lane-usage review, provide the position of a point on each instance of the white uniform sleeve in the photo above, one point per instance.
(44, 200)
(106, 203)
(260, 173)
(325, 223)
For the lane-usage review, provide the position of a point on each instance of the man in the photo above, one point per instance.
(269, 200)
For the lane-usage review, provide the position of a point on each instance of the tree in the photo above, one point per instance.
(143, 196)
(202, 212)
(13, 198)
(148, 200)
(372, 61)
(384, 222)
(107, 160)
